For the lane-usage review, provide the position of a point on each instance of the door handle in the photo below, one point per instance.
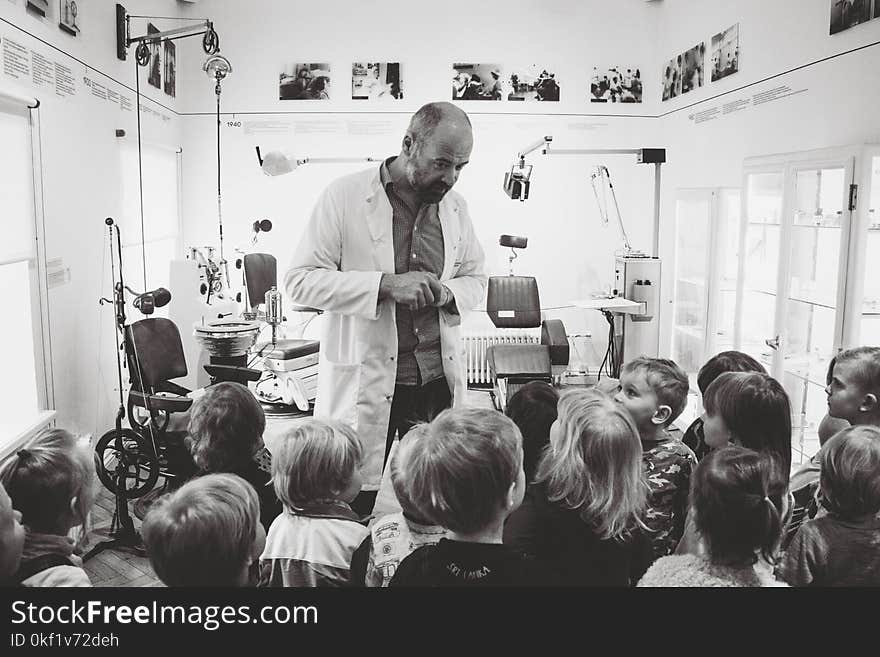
(772, 343)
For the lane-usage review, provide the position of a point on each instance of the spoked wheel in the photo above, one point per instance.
(140, 463)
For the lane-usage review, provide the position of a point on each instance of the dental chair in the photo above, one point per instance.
(513, 302)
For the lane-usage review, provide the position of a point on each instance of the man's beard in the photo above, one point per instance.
(428, 193)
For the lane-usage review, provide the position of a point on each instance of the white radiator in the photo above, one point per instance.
(477, 344)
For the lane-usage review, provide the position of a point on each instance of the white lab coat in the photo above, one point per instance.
(337, 266)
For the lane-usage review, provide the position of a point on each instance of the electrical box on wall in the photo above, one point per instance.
(638, 279)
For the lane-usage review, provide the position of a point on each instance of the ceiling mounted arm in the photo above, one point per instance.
(200, 27)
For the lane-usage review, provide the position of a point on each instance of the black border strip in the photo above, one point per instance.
(92, 68)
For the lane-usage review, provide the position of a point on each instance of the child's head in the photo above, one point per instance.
(749, 409)
(738, 497)
(594, 463)
(52, 483)
(399, 468)
(726, 361)
(828, 425)
(850, 479)
(317, 460)
(226, 427)
(533, 410)
(206, 533)
(466, 474)
(654, 391)
(11, 537)
(854, 389)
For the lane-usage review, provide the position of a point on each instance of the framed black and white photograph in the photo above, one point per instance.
(304, 82)
(616, 84)
(849, 13)
(38, 8)
(477, 82)
(170, 69)
(376, 81)
(692, 68)
(672, 78)
(725, 53)
(533, 82)
(155, 76)
(67, 13)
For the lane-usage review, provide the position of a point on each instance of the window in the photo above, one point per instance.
(25, 387)
(161, 228)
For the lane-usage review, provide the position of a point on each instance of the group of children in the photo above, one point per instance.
(586, 488)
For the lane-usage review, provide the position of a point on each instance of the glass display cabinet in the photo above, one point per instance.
(787, 269)
(808, 280)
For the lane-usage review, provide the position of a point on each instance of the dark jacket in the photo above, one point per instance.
(559, 538)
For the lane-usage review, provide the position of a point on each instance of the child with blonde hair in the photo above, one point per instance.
(842, 548)
(52, 483)
(206, 533)
(583, 516)
(394, 536)
(466, 474)
(740, 503)
(654, 391)
(316, 474)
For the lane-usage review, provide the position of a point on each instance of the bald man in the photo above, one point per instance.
(390, 254)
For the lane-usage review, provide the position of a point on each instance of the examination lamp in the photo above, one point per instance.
(277, 163)
(517, 180)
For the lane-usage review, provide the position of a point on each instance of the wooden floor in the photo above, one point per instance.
(116, 567)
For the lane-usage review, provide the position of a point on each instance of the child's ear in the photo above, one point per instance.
(662, 414)
(869, 403)
(511, 495)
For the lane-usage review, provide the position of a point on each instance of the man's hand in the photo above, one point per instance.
(415, 289)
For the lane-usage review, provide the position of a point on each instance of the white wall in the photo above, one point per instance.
(839, 107)
(82, 186)
(569, 251)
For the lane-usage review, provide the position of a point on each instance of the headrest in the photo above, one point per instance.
(513, 302)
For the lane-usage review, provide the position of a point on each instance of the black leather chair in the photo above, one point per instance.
(155, 356)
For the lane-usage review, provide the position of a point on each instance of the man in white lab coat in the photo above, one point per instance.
(391, 256)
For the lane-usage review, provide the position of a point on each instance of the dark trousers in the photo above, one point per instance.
(411, 405)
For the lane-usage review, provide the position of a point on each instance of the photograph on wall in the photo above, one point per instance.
(477, 82)
(375, 81)
(672, 78)
(725, 53)
(848, 13)
(304, 82)
(155, 77)
(692, 68)
(38, 7)
(67, 12)
(533, 82)
(617, 84)
(170, 69)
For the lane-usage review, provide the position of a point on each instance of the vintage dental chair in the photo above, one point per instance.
(155, 356)
(513, 302)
